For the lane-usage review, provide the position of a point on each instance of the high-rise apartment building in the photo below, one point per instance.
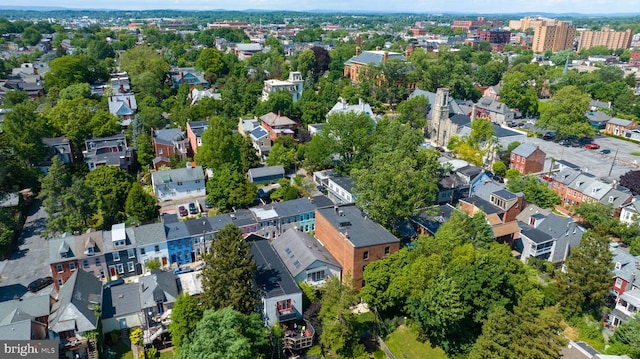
(606, 37)
(554, 37)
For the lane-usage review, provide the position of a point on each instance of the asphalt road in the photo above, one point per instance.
(30, 262)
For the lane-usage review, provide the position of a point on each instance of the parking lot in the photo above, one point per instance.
(593, 161)
(30, 261)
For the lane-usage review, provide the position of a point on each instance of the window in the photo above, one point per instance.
(131, 266)
(365, 255)
(59, 281)
(59, 268)
(159, 150)
(116, 256)
(85, 264)
(120, 268)
(618, 282)
(97, 261)
(142, 251)
(315, 276)
(72, 266)
(157, 248)
(513, 156)
(387, 250)
(131, 253)
(610, 199)
(285, 305)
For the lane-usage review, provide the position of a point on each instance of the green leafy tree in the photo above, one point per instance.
(226, 333)
(440, 313)
(248, 155)
(23, 132)
(281, 155)
(185, 315)
(496, 336)
(519, 92)
(535, 191)
(490, 73)
(396, 186)
(15, 97)
(414, 111)
(71, 92)
(565, 113)
(627, 335)
(339, 332)
(349, 135)
(499, 168)
(54, 184)
(227, 278)
(229, 188)
(285, 192)
(153, 264)
(140, 205)
(210, 61)
(71, 118)
(586, 281)
(111, 186)
(144, 151)
(69, 70)
(136, 336)
(218, 146)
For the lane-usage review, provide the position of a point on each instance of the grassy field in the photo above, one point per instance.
(403, 343)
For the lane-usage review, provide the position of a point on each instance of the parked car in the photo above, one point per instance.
(39, 284)
(605, 151)
(183, 269)
(182, 210)
(192, 208)
(565, 143)
(592, 146)
(207, 204)
(548, 136)
(113, 283)
(199, 267)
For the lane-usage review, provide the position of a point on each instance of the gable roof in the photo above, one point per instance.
(158, 287)
(266, 171)
(272, 277)
(620, 122)
(25, 308)
(454, 107)
(298, 250)
(525, 149)
(258, 133)
(275, 120)
(629, 263)
(77, 299)
(121, 300)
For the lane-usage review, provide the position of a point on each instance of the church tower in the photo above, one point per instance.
(440, 117)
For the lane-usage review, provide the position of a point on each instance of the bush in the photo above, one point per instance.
(151, 352)
(152, 264)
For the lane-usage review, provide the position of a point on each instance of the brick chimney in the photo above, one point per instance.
(357, 50)
(129, 102)
(385, 56)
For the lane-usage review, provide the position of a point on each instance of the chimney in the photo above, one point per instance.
(182, 76)
(408, 51)
(361, 103)
(473, 112)
(121, 88)
(385, 56)
(357, 50)
(129, 102)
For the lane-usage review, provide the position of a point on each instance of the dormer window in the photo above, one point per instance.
(611, 198)
(618, 265)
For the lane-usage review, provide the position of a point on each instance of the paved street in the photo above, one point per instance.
(30, 261)
(593, 161)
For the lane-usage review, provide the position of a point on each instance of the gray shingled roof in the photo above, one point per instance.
(158, 287)
(178, 175)
(266, 171)
(628, 264)
(373, 57)
(76, 302)
(121, 300)
(534, 234)
(525, 150)
(620, 122)
(150, 234)
(360, 230)
(299, 250)
(32, 307)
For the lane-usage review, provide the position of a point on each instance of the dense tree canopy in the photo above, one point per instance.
(565, 114)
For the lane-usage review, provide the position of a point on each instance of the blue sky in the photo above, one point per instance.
(431, 6)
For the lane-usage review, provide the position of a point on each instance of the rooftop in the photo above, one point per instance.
(272, 277)
(298, 250)
(356, 227)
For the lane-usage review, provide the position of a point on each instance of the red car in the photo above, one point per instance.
(183, 211)
(592, 146)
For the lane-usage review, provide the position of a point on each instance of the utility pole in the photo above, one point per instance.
(614, 161)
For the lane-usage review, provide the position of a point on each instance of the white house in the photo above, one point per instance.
(151, 244)
(178, 184)
(293, 85)
(630, 212)
(281, 297)
(626, 307)
(306, 259)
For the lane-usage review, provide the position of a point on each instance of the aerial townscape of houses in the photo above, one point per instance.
(102, 280)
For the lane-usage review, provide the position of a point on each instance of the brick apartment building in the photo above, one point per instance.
(353, 239)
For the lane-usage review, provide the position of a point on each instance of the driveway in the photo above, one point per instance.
(30, 262)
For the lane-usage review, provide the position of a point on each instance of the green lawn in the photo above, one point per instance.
(403, 343)
(167, 354)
